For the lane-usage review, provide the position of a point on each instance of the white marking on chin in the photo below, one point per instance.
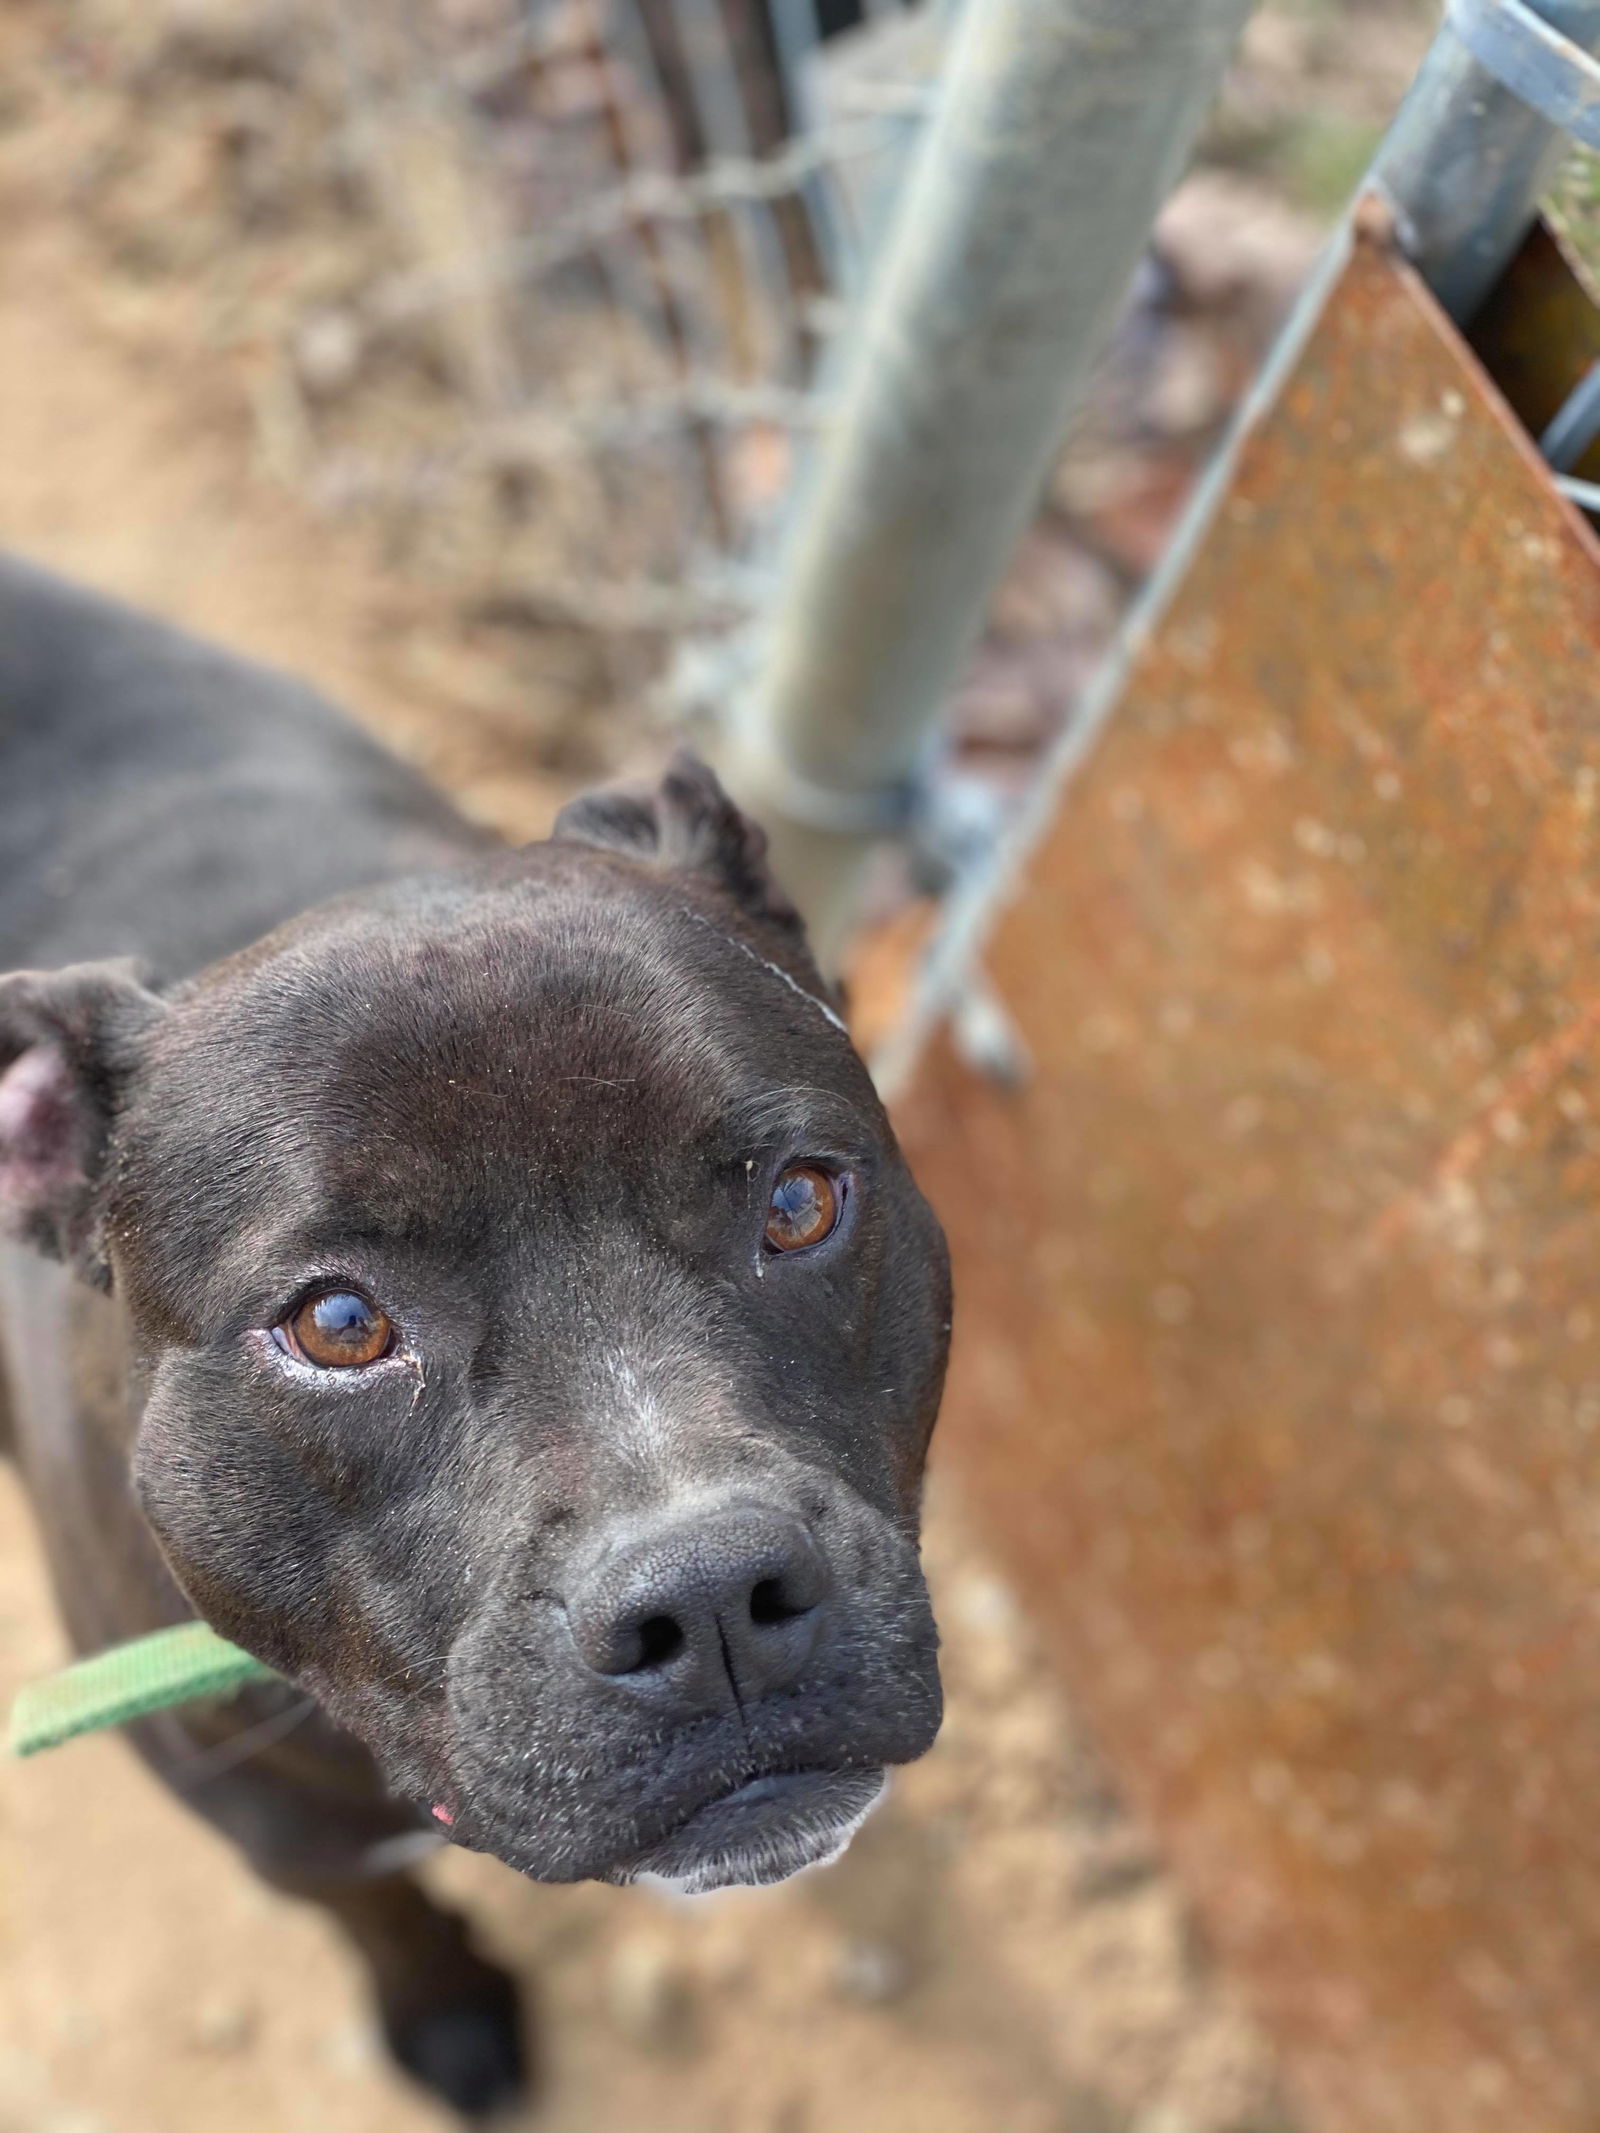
(764, 1863)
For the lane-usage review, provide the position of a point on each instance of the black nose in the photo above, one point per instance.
(695, 1610)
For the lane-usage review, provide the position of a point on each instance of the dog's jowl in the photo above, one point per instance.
(482, 1283)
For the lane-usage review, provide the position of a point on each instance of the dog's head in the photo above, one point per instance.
(539, 1335)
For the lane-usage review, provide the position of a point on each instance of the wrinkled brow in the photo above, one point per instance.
(821, 1118)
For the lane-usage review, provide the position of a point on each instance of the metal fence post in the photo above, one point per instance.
(1061, 125)
(1468, 157)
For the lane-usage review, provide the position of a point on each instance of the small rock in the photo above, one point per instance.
(985, 1605)
(229, 40)
(871, 1971)
(1000, 708)
(1055, 588)
(1189, 390)
(1165, 2118)
(1228, 239)
(328, 349)
(353, 2048)
(1103, 1880)
(723, 1961)
(224, 2026)
(647, 1993)
(1123, 1860)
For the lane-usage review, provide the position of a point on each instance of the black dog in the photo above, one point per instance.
(502, 1287)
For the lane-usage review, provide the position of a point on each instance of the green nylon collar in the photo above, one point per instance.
(130, 1681)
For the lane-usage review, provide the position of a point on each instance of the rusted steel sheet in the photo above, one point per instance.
(1278, 1344)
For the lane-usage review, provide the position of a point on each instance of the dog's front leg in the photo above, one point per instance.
(450, 2018)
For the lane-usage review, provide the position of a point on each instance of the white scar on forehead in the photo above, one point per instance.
(775, 969)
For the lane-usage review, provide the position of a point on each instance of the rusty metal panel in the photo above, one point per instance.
(1278, 1343)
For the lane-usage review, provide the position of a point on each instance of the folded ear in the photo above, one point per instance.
(69, 1042)
(684, 825)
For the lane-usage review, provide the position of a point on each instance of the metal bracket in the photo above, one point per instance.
(776, 785)
(1575, 424)
(1544, 69)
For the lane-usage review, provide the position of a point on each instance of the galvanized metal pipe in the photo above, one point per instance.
(1060, 128)
(1468, 157)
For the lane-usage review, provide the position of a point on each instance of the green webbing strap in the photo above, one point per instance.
(130, 1681)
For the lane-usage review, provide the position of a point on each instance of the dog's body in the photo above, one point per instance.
(607, 1557)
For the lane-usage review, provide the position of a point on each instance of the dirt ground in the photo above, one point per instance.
(1001, 1951)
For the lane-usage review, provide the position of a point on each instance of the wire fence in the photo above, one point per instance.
(633, 228)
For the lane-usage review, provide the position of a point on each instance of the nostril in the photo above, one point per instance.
(691, 1609)
(771, 1602)
(660, 1641)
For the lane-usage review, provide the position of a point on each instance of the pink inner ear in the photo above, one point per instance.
(41, 1129)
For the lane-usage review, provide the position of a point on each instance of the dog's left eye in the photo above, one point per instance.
(339, 1330)
(805, 1207)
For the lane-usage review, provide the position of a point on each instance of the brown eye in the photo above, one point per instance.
(341, 1330)
(805, 1208)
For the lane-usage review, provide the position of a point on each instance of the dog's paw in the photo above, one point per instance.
(470, 2052)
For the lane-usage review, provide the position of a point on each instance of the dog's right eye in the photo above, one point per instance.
(805, 1208)
(339, 1330)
